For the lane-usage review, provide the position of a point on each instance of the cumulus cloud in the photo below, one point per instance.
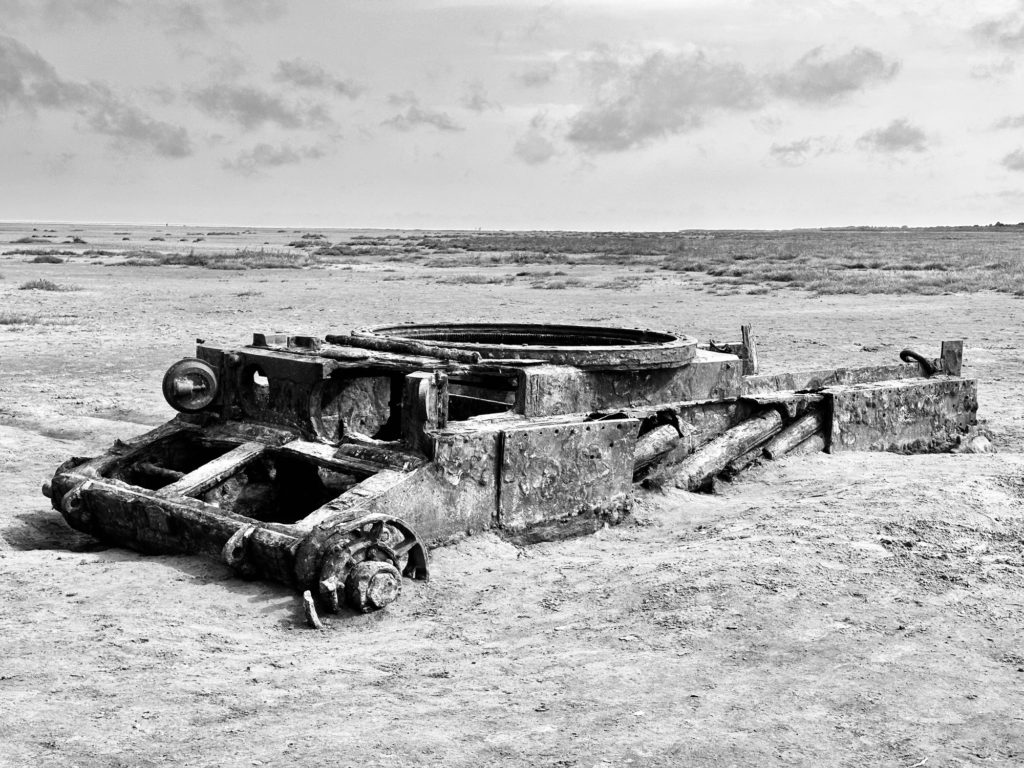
(1005, 32)
(798, 152)
(657, 97)
(1010, 121)
(1014, 161)
(415, 115)
(264, 156)
(663, 94)
(304, 74)
(475, 99)
(31, 83)
(897, 136)
(534, 147)
(817, 78)
(538, 75)
(252, 107)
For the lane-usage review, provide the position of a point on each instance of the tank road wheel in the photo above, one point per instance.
(364, 561)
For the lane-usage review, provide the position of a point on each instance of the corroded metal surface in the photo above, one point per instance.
(331, 464)
(585, 347)
(561, 470)
(910, 416)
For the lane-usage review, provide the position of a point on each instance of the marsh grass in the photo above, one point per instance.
(244, 258)
(893, 261)
(47, 285)
(17, 318)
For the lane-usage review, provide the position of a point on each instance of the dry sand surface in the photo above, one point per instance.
(856, 610)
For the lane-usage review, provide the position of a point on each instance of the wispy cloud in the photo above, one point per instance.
(1004, 32)
(818, 78)
(995, 70)
(305, 74)
(1014, 161)
(264, 156)
(30, 82)
(1010, 121)
(253, 11)
(534, 147)
(252, 107)
(475, 99)
(537, 75)
(179, 16)
(797, 153)
(898, 136)
(415, 115)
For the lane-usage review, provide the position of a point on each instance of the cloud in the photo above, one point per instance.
(414, 115)
(994, 70)
(662, 94)
(30, 82)
(1014, 161)
(657, 97)
(252, 107)
(129, 125)
(534, 147)
(1010, 121)
(253, 11)
(476, 99)
(1005, 32)
(538, 75)
(798, 152)
(305, 74)
(897, 136)
(180, 16)
(264, 156)
(815, 78)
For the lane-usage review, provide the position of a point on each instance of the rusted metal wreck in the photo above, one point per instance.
(331, 464)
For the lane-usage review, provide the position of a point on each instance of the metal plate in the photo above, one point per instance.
(586, 347)
(908, 416)
(557, 471)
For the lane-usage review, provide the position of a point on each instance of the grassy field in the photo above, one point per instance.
(824, 262)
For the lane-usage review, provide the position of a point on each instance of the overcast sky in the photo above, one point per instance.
(511, 114)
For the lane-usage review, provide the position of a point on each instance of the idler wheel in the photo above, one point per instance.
(190, 385)
(371, 585)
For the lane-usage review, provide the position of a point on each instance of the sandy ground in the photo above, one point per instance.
(856, 610)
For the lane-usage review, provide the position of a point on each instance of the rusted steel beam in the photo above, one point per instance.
(403, 346)
(698, 468)
(794, 434)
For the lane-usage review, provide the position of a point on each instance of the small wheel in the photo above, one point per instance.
(372, 584)
(190, 385)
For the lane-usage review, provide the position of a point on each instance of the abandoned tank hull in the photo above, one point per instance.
(333, 464)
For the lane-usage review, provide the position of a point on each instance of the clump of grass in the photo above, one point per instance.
(47, 285)
(47, 258)
(558, 285)
(621, 284)
(17, 318)
(476, 279)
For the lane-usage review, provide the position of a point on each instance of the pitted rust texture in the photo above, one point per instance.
(562, 470)
(330, 464)
(909, 416)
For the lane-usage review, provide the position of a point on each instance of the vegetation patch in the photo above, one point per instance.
(47, 285)
(17, 318)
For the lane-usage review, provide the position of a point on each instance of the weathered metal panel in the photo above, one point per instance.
(828, 377)
(550, 389)
(558, 471)
(913, 415)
